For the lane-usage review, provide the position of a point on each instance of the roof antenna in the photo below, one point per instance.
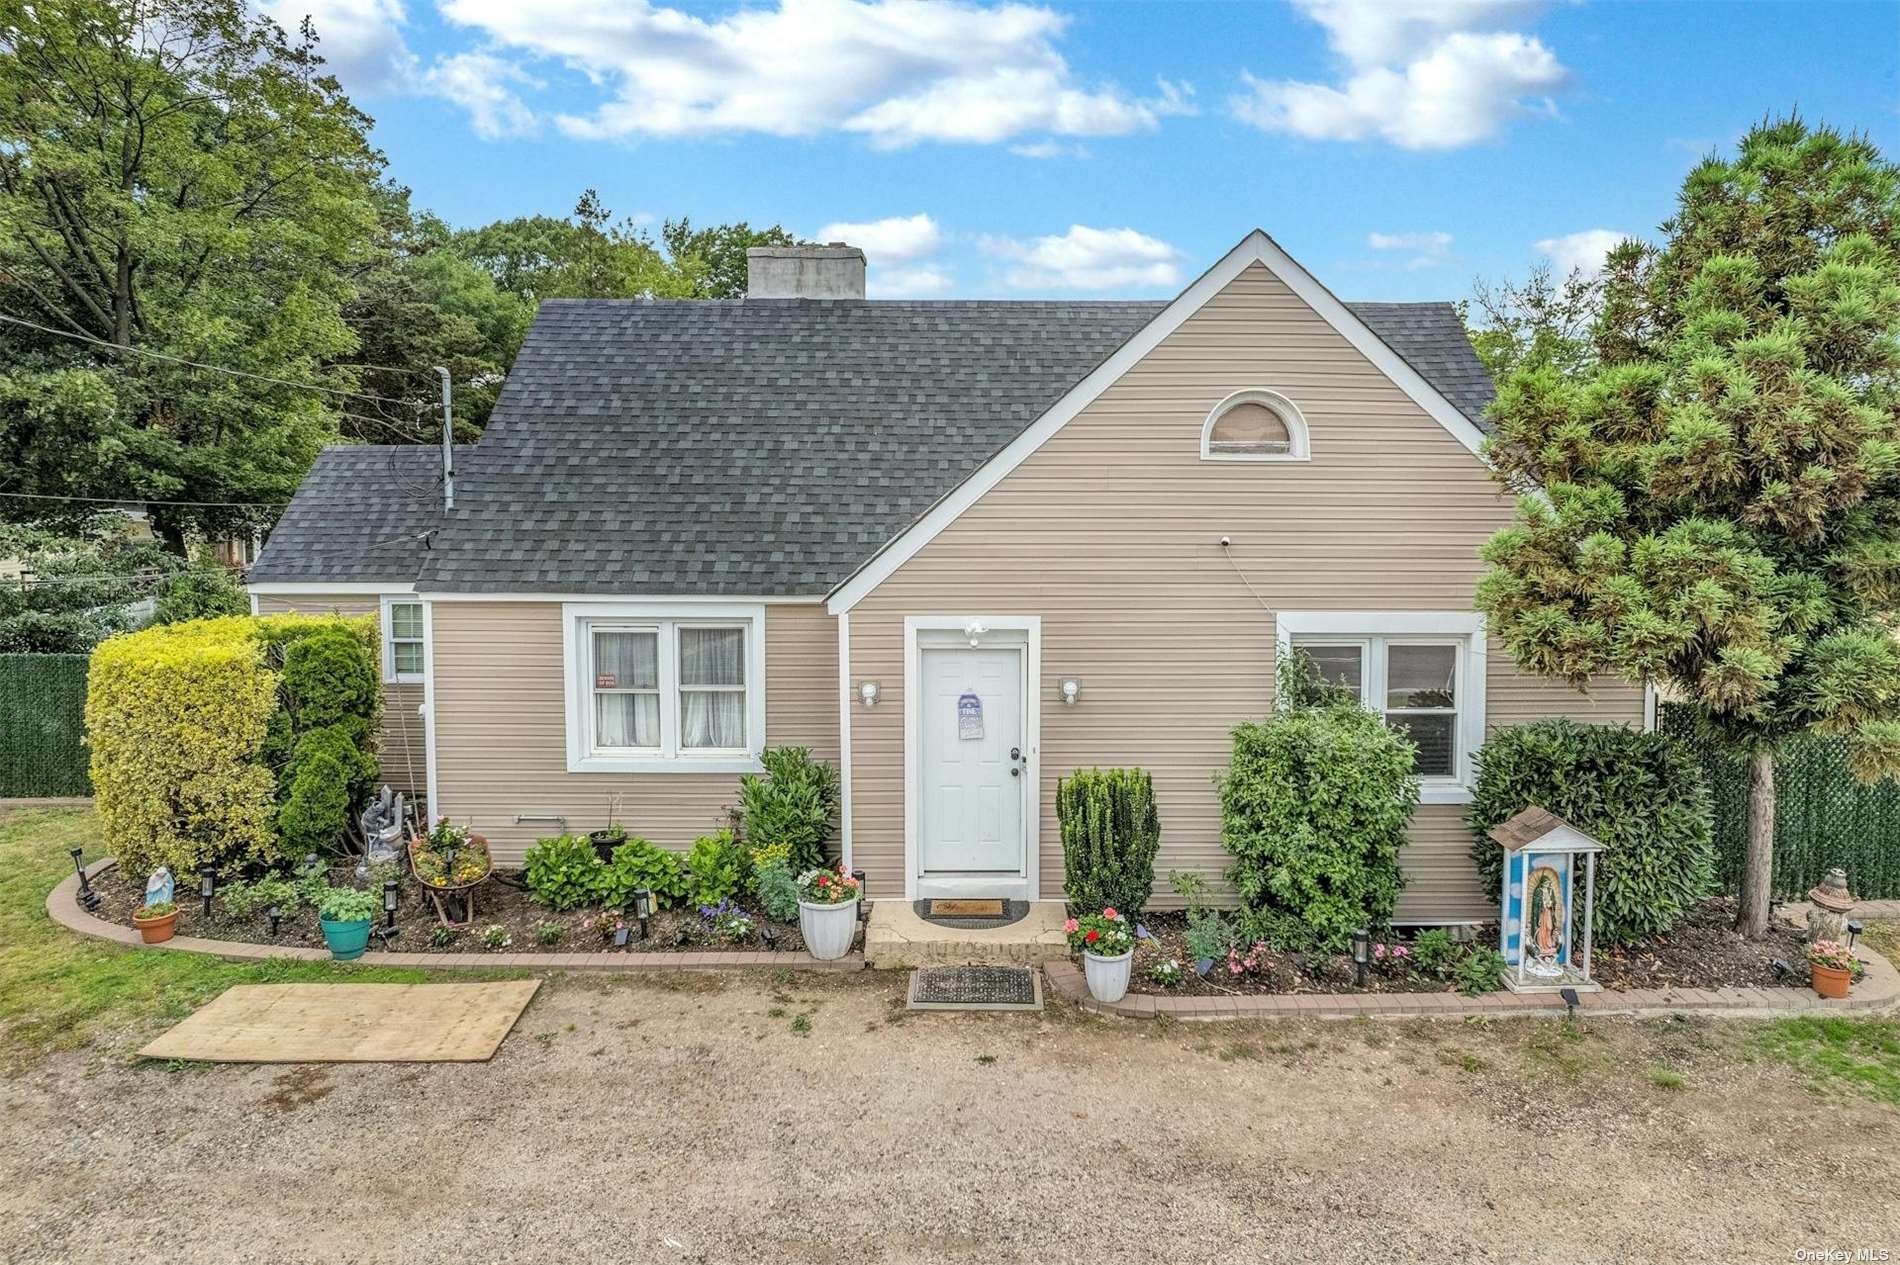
(448, 445)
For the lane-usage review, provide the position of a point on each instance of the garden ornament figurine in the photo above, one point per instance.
(1831, 901)
(159, 887)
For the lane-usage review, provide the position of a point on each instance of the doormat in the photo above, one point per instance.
(1008, 912)
(975, 988)
(967, 908)
(349, 1023)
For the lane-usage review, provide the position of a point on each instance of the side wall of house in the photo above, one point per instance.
(404, 754)
(1110, 533)
(501, 738)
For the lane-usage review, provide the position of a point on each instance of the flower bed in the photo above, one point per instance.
(1270, 971)
(526, 925)
(1703, 951)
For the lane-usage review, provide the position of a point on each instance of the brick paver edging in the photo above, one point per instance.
(62, 906)
(1877, 991)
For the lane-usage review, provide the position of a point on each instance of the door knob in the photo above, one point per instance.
(1015, 770)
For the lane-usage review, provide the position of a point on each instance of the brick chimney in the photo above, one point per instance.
(831, 271)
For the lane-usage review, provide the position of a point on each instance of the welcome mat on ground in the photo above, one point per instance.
(971, 915)
(349, 1023)
(966, 909)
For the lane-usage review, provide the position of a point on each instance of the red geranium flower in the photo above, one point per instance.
(1093, 936)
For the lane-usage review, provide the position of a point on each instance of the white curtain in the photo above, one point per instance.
(712, 687)
(625, 661)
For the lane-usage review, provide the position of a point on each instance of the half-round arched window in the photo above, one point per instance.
(1254, 426)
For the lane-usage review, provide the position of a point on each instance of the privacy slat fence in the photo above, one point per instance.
(1824, 816)
(43, 725)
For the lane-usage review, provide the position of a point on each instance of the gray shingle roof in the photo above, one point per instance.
(756, 448)
(358, 516)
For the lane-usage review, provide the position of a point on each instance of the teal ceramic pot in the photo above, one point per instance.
(347, 940)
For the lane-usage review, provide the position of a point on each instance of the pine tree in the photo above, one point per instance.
(1714, 505)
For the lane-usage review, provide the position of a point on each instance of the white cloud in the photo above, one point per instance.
(1580, 251)
(1432, 74)
(479, 83)
(1087, 259)
(899, 239)
(895, 71)
(1049, 149)
(360, 41)
(909, 283)
(1423, 250)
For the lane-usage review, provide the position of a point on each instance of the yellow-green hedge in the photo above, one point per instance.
(177, 717)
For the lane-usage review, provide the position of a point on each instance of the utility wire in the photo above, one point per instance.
(144, 500)
(194, 364)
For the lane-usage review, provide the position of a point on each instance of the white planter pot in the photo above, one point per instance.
(827, 928)
(1108, 977)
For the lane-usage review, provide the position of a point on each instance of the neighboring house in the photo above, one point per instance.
(961, 548)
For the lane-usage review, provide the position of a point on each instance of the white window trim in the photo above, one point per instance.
(390, 675)
(1299, 443)
(1463, 629)
(578, 617)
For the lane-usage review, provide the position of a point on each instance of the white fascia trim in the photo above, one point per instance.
(684, 599)
(1466, 626)
(1255, 248)
(916, 885)
(305, 588)
(1649, 707)
(428, 713)
(578, 693)
(384, 631)
(847, 698)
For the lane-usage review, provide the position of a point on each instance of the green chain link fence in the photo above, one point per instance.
(43, 725)
(1824, 816)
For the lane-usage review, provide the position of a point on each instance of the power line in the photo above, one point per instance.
(225, 369)
(144, 500)
(29, 583)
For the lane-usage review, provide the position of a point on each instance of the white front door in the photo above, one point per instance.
(974, 765)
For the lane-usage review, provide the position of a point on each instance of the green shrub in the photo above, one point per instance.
(776, 888)
(639, 863)
(794, 804)
(1435, 953)
(1190, 886)
(715, 868)
(1480, 971)
(327, 775)
(1314, 806)
(244, 901)
(1208, 934)
(204, 591)
(564, 872)
(1110, 832)
(1641, 795)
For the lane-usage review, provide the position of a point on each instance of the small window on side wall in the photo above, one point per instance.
(1254, 426)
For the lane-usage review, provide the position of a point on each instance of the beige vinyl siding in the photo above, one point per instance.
(1110, 532)
(403, 751)
(501, 737)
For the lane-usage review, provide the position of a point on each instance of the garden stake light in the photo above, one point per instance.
(87, 897)
(642, 909)
(859, 876)
(389, 904)
(1361, 952)
(1570, 1000)
(276, 915)
(207, 887)
(1853, 933)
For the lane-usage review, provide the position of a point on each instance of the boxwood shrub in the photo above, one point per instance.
(1110, 832)
(1641, 795)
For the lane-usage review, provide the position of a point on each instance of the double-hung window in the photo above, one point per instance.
(404, 657)
(652, 688)
(1424, 673)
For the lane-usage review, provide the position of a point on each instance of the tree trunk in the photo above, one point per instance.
(1751, 919)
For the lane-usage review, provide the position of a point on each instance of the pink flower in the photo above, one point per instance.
(1070, 926)
(1109, 912)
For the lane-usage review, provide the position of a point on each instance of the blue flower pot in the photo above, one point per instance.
(347, 940)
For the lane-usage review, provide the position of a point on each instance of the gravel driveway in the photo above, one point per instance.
(717, 1119)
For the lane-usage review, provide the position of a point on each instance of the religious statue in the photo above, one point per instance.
(1546, 924)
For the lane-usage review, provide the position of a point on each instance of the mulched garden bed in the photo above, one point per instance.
(1278, 973)
(497, 904)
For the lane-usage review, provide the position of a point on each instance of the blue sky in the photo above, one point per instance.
(1396, 148)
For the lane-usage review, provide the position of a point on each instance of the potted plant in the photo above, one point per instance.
(1108, 950)
(157, 921)
(1832, 966)
(827, 912)
(345, 915)
(450, 862)
(605, 841)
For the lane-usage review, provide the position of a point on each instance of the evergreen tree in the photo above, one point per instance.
(1720, 491)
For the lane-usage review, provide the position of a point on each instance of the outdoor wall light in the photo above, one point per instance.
(87, 897)
(1071, 689)
(276, 915)
(1361, 954)
(974, 630)
(207, 887)
(868, 692)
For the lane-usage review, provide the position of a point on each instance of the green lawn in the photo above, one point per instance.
(59, 990)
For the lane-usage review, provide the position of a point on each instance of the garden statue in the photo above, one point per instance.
(1540, 872)
(382, 829)
(1831, 901)
(159, 887)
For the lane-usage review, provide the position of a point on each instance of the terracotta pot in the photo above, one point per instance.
(1830, 981)
(156, 930)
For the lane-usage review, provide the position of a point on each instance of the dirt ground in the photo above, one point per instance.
(747, 1118)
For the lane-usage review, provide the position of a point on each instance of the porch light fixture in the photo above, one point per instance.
(87, 897)
(1361, 954)
(867, 693)
(974, 630)
(1071, 689)
(276, 915)
(207, 887)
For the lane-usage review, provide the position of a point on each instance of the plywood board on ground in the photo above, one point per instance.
(349, 1023)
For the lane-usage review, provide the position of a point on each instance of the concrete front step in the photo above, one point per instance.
(898, 938)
